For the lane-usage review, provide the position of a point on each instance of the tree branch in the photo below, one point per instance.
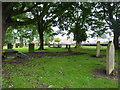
(22, 9)
(105, 15)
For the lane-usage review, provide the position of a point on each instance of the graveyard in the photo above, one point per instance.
(58, 68)
(60, 45)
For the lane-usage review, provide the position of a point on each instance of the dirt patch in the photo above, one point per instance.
(102, 73)
(40, 55)
(56, 54)
(101, 56)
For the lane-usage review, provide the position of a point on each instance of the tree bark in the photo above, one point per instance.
(116, 40)
(4, 29)
(40, 32)
(78, 45)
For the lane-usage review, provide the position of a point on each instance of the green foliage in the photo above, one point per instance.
(48, 35)
(75, 19)
(57, 39)
(22, 33)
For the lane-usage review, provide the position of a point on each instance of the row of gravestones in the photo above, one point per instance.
(18, 45)
(31, 46)
(10, 46)
(110, 56)
(58, 45)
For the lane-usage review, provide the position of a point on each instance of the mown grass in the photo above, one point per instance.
(59, 72)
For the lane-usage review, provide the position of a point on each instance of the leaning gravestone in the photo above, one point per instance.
(9, 53)
(31, 47)
(98, 49)
(9, 46)
(110, 58)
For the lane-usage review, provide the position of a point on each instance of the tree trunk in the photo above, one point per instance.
(0, 34)
(116, 40)
(4, 29)
(40, 32)
(78, 46)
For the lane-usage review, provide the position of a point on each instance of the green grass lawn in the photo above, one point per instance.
(75, 71)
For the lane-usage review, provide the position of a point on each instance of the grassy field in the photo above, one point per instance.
(59, 70)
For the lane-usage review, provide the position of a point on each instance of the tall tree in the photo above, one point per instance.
(13, 11)
(20, 13)
(110, 13)
(49, 12)
(75, 20)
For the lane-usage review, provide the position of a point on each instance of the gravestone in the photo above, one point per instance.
(21, 45)
(31, 47)
(110, 58)
(66, 46)
(16, 45)
(59, 45)
(25, 44)
(69, 48)
(49, 45)
(9, 53)
(98, 49)
(9, 46)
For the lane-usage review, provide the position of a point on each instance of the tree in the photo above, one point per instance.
(109, 12)
(22, 13)
(49, 35)
(49, 12)
(16, 14)
(75, 19)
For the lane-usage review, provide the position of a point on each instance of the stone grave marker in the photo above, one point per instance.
(59, 45)
(9, 53)
(21, 45)
(9, 46)
(98, 49)
(25, 44)
(16, 45)
(49, 45)
(110, 58)
(66, 46)
(31, 47)
(69, 48)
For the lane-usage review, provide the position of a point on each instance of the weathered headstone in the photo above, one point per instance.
(110, 58)
(16, 45)
(98, 49)
(21, 45)
(69, 48)
(9, 53)
(9, 46)
(25, 44)
(59, 45)
(49, 45)
(66, 46)
(53, 44)
(31, 47)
